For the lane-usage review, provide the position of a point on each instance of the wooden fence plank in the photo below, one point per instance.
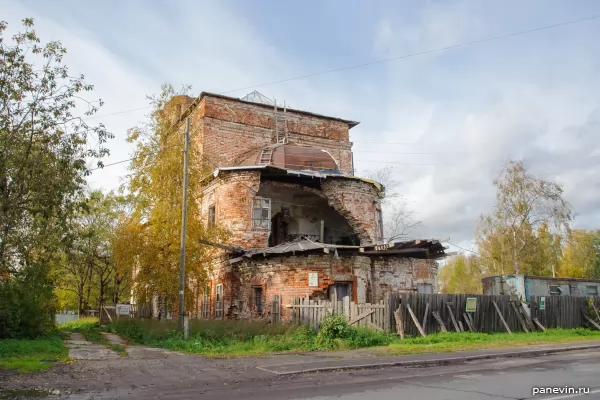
(399, 324)
(416, 321)
(360, 317)
(451, 314)
(502, 318)
(519, 316)
(537, 322)
(424, 324)
(437, 317)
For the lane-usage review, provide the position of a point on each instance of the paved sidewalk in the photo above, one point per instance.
(420, 360)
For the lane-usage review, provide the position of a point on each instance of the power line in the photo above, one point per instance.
(462, 248)
(420, 53)
(384, 60)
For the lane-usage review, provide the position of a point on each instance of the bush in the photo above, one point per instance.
(27, 304)
(334, 327)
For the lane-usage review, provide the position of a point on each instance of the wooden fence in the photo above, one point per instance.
(562, 311)
(415, 314)
(311, 312)
(433, 313)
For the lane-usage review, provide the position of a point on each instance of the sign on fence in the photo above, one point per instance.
(123, 309)
(471, 304)
(542, 303)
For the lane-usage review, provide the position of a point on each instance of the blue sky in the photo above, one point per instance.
(534, 97)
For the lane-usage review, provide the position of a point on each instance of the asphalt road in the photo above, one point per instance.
(492, 379)
(157, 374)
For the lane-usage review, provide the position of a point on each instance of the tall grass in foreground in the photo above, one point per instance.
(228, 338)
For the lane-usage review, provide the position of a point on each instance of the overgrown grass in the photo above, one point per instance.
(239, 338)
(30, 355)
(88, 327)
(450, 342)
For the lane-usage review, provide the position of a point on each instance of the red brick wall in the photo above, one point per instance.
(357, 202)
(287, 276)
(233, 194)
(231, 130)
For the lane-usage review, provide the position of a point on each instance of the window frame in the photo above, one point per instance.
(212, 215)
(264, 205)
(556, 293)
(206, 302)
(258, 299)
(594, 287)
(219, 301)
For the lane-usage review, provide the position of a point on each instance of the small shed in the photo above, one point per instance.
(524, 286)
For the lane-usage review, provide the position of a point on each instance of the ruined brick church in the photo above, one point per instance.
(301, 222)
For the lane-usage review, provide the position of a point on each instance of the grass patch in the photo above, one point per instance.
(450, 342)
(243, 338)
(31, 355)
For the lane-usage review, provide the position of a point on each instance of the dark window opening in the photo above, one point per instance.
(592, 290)
(340, 290)
(258, 295)
(212, 215)
(279, 230)
(555, 290)
(205, 304)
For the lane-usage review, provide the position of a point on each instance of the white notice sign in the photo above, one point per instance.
(313, 279)
(123, 309)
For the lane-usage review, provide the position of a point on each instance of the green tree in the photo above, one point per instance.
(44, 149)
(581, 255)
(148, 242)
(43, 146)
(525, 206)
(461, 274)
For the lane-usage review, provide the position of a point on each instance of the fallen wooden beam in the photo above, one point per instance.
(437, 317)
(415, 320)
(452, 318)
(399, 324)
(501, 317)
(539, 324)
(425, 317)
(460, 325)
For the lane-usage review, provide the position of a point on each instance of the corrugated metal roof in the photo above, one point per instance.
(427, 248)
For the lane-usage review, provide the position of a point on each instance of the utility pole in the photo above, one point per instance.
(183, 318)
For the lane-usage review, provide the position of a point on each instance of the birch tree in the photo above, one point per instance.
(524, 204)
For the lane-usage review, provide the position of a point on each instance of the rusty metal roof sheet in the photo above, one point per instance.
(426, 248)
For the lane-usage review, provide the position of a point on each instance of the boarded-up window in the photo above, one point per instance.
(219, 302)
(261, 213)
(425, 288)
(592, 290)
